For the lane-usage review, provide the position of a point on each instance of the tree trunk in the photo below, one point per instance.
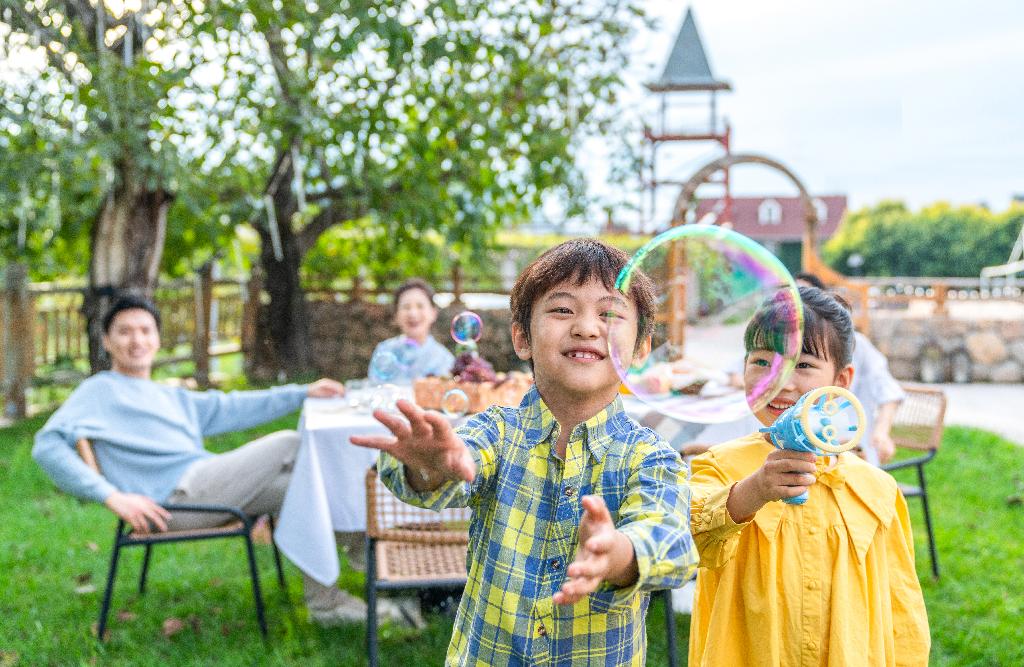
(285, 320)
(127, 244)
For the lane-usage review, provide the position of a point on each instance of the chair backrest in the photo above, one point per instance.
(920, 419)
(388, 518)
(88, 455)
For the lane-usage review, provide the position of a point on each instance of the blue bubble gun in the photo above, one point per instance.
(826, 420)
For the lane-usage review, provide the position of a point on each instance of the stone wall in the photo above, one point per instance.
(345, 334)
(942, 349)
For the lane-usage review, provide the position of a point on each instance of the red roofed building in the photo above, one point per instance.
(778, 222)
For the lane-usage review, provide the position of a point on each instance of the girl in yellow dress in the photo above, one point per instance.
(829, 582)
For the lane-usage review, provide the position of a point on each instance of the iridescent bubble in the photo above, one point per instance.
(467, 327)
(405, 353)
(710, 282)
(455, 403)
(384, 366)
(384, 398)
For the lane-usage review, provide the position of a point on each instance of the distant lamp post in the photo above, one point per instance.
(855, 262)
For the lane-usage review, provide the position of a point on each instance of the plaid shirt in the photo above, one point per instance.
(524, 533)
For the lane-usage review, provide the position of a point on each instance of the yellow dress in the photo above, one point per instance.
(830, 582)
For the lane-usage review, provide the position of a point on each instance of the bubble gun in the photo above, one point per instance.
(824, 421)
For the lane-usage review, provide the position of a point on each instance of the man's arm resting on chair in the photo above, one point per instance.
(141, 512)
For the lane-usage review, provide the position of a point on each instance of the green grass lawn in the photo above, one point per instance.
(54, 554)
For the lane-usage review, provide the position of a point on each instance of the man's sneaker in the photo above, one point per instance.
(342, 607)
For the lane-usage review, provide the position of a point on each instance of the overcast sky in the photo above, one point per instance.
(916, 100)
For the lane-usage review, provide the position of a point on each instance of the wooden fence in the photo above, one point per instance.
(45, 340)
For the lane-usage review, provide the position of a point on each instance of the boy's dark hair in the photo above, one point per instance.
(581, 260)
(130, 302)
(811, 279)
(415, 283)
(828, 328)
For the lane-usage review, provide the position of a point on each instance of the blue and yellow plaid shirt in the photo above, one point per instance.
(524, 534)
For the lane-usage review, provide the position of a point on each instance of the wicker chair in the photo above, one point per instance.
(238, 524)
(918, 426)
(408, 547)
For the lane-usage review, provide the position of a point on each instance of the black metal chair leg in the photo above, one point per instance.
(111, 576)
(670, 629)
(145, 570)
(254, 575)
(277, 553)
(933, 552)
(371, 603)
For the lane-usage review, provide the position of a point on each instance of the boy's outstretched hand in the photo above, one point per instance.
(605, 554)
(425, 442)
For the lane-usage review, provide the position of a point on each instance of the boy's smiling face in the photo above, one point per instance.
(568, 341)
(811, 373)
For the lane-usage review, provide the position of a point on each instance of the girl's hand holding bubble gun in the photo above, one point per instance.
(824, 421)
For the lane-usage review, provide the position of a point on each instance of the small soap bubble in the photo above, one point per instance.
(455, 403)
(709, 283)
(384, 366)
(467, 327)
(406, 352)
(384, 398)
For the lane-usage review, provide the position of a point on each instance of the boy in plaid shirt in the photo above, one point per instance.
(578, 511)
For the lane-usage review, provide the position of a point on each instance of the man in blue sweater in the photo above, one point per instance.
(148, 441)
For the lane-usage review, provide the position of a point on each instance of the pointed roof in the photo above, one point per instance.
(687, 67)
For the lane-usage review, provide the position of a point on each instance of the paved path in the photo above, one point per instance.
(994, 407)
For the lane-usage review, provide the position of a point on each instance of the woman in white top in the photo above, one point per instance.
(413, 353)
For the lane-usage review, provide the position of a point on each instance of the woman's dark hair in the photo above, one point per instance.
(130, 302)
(415, 283)
(828, 328)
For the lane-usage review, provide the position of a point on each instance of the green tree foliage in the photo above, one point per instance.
(938, 240)
(449, 116)
(91, 95)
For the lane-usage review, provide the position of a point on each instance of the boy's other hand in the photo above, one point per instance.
(605, 554)
(425, 442)
(785, 474)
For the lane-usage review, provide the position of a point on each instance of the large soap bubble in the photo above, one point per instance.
(709, 282)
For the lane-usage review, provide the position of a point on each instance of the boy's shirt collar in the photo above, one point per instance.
(596, 432)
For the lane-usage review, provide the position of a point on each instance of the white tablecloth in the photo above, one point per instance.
(327, 492)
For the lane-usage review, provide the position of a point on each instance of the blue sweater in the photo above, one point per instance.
(145, 434)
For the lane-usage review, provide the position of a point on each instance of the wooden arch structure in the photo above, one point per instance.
(855, 292)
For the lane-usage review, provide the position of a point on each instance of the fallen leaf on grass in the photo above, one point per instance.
(85, 589)
(215, 582)
(83, 578)
(125, 615)
(172, 626)
(8, 658)
(92, 546)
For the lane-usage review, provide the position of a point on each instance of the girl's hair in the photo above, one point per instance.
(828, 328)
